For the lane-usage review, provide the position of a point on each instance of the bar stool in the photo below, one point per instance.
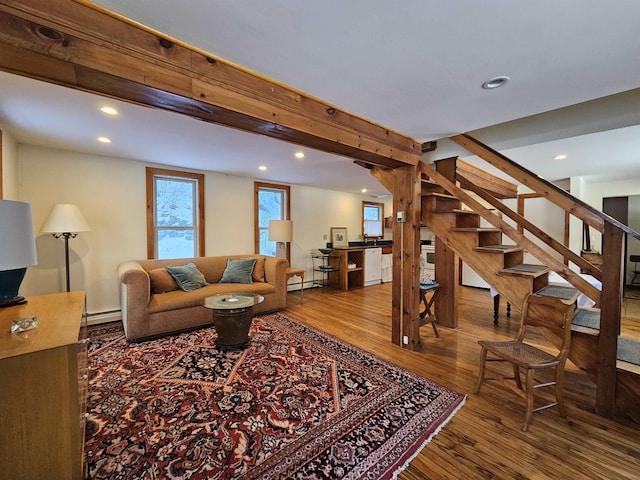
(426, 316)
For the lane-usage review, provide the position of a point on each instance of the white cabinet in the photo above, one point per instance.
(387, 267)
(372, 266)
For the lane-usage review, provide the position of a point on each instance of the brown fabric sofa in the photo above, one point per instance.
(149, 310)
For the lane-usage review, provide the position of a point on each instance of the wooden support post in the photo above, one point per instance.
(610, 310)
(447, 276)
(447, 272)
(405, 328)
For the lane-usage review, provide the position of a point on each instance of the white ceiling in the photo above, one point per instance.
(415, 66)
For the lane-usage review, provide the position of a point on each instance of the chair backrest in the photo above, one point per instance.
(553, 316)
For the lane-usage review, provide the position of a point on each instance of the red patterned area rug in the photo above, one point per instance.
(296, 403)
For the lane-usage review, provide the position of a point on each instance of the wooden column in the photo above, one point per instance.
(447, 275)
(405, 330)
(610, 310)
(447, 271)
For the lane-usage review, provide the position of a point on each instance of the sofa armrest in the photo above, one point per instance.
(275, 270)
(275, 273)
(135, 295)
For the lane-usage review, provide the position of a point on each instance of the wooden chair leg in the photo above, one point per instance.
(560, 391)
(483, 363)
(435, 329)
(529, 398)
(516, 376)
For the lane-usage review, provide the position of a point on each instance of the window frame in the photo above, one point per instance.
(379, 205)
(257, 187)
(151, 174)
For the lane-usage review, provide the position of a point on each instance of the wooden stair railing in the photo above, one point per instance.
(568, 254)
(511, 232)
(610, 299)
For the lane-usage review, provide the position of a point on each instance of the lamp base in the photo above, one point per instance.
(10, 281)
(12, 302)
(281, 250)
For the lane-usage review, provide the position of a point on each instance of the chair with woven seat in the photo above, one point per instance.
(552, 314)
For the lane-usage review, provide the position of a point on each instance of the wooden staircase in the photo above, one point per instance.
(497, 254)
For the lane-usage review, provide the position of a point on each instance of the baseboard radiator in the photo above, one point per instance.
(108, 316)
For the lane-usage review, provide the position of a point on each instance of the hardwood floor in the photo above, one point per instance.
(484, 439)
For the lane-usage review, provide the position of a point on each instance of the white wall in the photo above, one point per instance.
(10, 180)
(593, 194)
(111, 195)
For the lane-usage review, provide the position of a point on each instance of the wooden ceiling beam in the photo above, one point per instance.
(83, 46)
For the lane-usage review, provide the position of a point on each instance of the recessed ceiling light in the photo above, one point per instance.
(109, 110)
(560, 157)
(364, 190)
(299, 154)
(262, 168)
(495, 82)
(104, 139)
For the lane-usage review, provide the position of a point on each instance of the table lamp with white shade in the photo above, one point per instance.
(17, 249)
(281, 232)
(65, 220)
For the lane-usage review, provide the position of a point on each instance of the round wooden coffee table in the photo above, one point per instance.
(232, 316)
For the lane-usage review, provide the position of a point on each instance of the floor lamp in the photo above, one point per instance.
(66, 221)
(17, 249)
(281, 231)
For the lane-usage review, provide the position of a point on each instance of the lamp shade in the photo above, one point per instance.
(17, 242)
(65, 218)
(280, 230)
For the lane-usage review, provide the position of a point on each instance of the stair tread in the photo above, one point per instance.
(438, 194)
(587, 318)
(525, 269)
(475, 229)
(528, 267)
(629, 350)
(569, 294)
(499, 248)
(462, 210)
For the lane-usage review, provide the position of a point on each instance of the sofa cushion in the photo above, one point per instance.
(258, 270)
(178, 299)
(162, 281)
(238, 270)
(188, 277)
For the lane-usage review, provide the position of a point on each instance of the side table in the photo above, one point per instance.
(426, 316)
(232, 317)
(297, 272)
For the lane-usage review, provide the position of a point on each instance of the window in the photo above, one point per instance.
(175, 214)
(372, 218)
(271, 203)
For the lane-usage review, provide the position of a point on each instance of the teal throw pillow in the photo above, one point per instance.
(188, 277)
(238, 270)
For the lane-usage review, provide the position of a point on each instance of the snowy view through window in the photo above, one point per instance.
(176, 217)
(270, 207)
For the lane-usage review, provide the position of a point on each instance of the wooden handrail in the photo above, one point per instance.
(553, 193)
(568, 254)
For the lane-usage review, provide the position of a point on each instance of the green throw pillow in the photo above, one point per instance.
(188, 277)
(238, 271)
